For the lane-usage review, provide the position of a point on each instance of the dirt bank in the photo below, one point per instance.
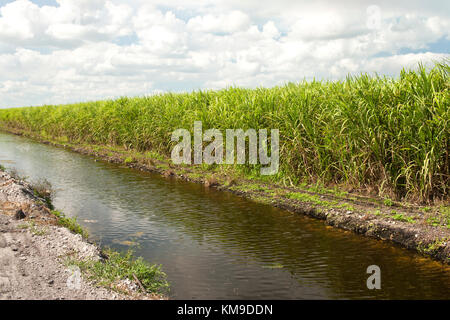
(34, 252)
(424, 229)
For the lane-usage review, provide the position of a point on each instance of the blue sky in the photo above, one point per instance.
(63, 51)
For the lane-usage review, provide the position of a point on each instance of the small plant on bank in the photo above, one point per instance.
(43, 189)
(15, 175)
(119, 266)
(434, 221)
(434, 246)
(154, 155)
(31, 225)
(377, 213)
(403, 218)
(70, 223)
(128, 160)
(441, 217)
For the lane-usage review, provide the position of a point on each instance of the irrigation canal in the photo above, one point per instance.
(215, 245)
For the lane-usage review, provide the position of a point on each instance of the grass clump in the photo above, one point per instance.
(34, 229)
(403, 218)
(43, 189)
(119, 266)
(154, 155)
(128, 160)
(377, 213)
(387, 134)
(433, 246)
(70, 223)
(16, 175)
(440, 217)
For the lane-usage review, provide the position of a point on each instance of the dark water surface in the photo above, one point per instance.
(215, 245)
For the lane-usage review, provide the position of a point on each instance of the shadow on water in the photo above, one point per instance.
(215, 245)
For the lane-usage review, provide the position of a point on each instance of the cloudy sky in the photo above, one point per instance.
(61, 51)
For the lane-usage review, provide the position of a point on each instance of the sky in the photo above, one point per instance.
(65, 51)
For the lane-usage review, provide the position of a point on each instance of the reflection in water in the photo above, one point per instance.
(215, 245)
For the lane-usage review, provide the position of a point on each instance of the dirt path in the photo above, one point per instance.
(33, 250)
(30, 266)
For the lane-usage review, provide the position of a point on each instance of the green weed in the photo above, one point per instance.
(120, 266)
(70, 223)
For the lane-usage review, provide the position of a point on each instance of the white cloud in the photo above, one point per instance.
(270, 30)
(160, 33)
(227, 23)
(84, 50)
(19, 19)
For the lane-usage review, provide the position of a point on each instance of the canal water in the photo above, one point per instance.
(215, 245)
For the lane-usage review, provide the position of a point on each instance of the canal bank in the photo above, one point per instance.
(40, 259)
(423, 229)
